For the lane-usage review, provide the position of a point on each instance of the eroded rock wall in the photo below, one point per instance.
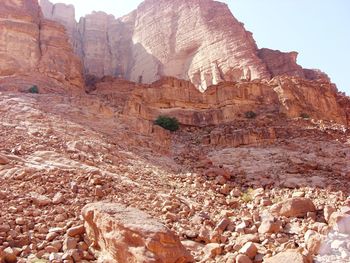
(230, 101)
(198, 40)
(35, 49)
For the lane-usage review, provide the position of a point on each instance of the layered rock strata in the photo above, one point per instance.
(229, 101)
(199, 41)
(33, 46)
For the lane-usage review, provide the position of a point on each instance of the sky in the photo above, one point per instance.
(319, 30)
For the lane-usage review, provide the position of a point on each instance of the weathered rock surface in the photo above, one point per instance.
(32, 46)
(126, 234)
(200, 41)
(229, 101)
(65, 15)
(3, 159)
(340, 222)
(288, 256)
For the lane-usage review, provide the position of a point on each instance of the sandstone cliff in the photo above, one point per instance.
(34, 49)
(229, 101)
(197, 40)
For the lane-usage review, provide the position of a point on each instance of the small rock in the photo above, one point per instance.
(51, 249)
(269, 226)
(10, 255)
(243, 259)
(58, 198)
(74, 231)
(328, 211)
(249, 249)
(20, 221)
(51, 236)
(69, 243)
(212, 250)
(40, 200)
(222, 225)
(313, 242)
(3, 159)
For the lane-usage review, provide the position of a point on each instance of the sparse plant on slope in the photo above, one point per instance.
(247, 196)
(34, 89)
(304, 115)
(168, 123)
(250, 115)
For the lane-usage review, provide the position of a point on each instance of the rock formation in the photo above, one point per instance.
(35, 49)
(194, 40)
(125, 234)
(229, 101)
(258, 170)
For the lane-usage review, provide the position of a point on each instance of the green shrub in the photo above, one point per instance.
(168, 123)
(34, 90)
(247, 196)
(304, 115)
(250, 115)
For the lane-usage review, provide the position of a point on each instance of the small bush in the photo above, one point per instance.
(304, 115)
(168, 123)
(250, 115)
(34, 90)
(247, 196)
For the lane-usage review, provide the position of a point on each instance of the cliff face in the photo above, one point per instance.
(33, 47)
(197, 40)
(228, 101)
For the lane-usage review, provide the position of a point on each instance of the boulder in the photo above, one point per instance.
(249, 249)
(288, 256)
(340, 222)
(269, 226)
(125, 234)
(293, 207)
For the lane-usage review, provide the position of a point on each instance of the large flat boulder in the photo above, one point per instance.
(288, 256)
(125, 234)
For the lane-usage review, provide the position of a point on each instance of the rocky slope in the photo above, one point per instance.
(231, 192)
(195, 40)
(258, 171)
(33, 49)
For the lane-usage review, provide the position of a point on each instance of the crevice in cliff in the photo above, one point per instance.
(40, 39)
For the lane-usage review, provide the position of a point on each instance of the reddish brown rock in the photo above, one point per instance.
(288, 256)
(294, 207)
(57, 60)
(243, 259)
(2, 256)
(75, 231)
(249, 249)
(230, 101)
(159, 39)
(3, 159)
(150, 241)
(279, 63)
(269, 226)
(35, 50)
